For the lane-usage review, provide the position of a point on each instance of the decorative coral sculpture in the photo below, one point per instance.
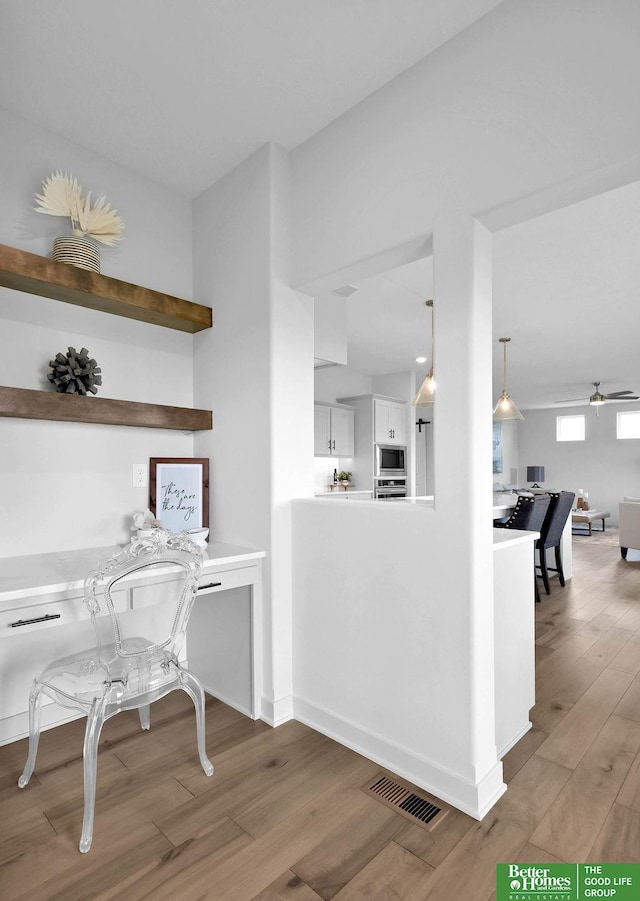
(75, 373)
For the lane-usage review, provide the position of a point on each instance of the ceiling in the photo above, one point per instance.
(182, 92)
(566, 290)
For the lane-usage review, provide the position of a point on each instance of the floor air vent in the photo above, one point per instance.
(418, 808)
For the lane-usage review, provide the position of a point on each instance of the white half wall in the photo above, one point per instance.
(381, 658)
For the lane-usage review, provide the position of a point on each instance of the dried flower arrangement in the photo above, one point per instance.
(63, 196)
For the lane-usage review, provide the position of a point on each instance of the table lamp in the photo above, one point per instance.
(535, 474)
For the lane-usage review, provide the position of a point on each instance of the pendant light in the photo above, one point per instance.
(426, 392)
(505, 408)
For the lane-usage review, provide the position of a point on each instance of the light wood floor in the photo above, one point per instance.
(284, 816)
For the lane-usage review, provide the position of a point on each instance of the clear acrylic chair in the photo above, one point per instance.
(135, 659)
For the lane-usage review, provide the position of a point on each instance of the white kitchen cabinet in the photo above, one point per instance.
(333, 430)
(377, 415)
(390, 425)
(321, 430)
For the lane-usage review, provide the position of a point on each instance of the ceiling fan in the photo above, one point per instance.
(598, 398)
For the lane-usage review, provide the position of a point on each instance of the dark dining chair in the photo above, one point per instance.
(551, 535)
(529, 515)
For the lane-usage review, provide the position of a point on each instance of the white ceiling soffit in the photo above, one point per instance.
(323, 364)
(182, 92)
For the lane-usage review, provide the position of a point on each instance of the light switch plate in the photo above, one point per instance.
(140, 475)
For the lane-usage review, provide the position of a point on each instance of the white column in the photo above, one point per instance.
(463, 468)
(291, 452)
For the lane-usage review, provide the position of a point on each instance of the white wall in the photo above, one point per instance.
(231, 263)
(255, 367)
(608, 469)
(69, 485)
(395, 384)
(477, 125)
(510, 453)
(330, 334)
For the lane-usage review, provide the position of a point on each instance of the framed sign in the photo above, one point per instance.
(179, 492)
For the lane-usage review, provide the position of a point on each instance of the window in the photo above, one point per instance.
(570, 428)
(628, 424)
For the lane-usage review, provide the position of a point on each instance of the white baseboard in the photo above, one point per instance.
(230, 702)
(502, 751)
(476, 799)
(13, 728)
(275, 713)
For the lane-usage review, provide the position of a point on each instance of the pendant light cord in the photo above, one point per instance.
(504, 342)
(429, 303)
(504, 368)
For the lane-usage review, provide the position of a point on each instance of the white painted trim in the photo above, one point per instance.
(16, 727)
(275, 713)
(475, 799)
(229, 701)
(406, 252)
(514, 740)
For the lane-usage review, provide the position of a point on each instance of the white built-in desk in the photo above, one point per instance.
(43, 616)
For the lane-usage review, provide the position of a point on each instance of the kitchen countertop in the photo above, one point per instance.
(339, 492)
(508, 537)
(42, 574)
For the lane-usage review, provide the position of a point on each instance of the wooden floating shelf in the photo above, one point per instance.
(25, 403)
(34, 274)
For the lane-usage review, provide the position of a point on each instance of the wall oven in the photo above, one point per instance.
(390, 489)
(391, 460)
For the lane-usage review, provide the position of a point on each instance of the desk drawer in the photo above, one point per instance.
(164, 590)
(29, 617)
(230, 578)
(34, 617)
(34, 635)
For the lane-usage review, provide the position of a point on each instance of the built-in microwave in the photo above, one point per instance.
(391, 460)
